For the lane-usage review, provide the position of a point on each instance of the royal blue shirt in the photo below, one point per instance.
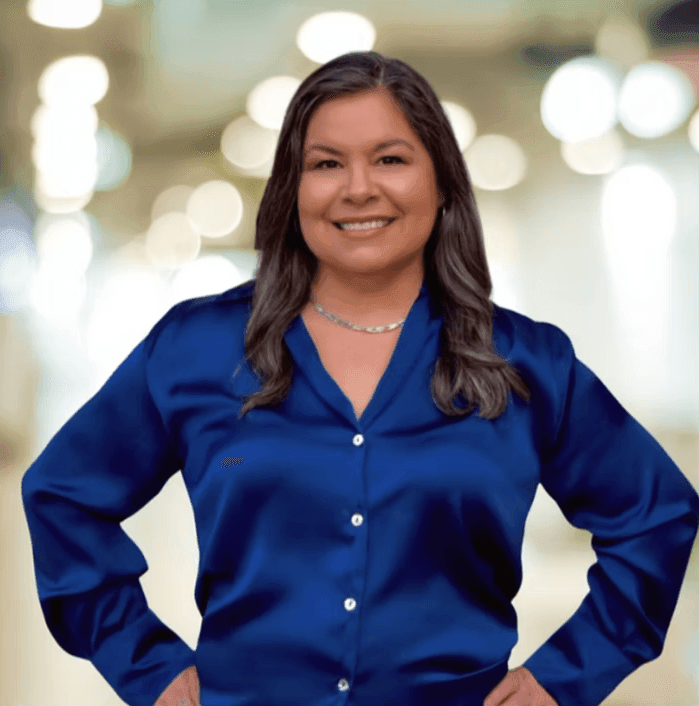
(348, 562)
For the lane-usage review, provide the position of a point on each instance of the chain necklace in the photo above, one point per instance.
(356, 327)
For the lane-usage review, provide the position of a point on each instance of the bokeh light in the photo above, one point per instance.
(72, 158)
(127, 301)
(462, 123)
(496, 162)
(173, 198)
(622, 42)
(599, 156)
(639, 216)
(655, 99)
(74, 80)
(172, 241)
(215, 208)
(249, 147)
(64, 14)
(64, 242)
(327, 35)
(693, 131)
(579, 99)
(208, 274)
(114, 161)
(18, 263)
(267, 102)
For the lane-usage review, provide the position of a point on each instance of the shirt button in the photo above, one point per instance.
(343, 685)
(358, 440)
(357, 519)
(350, 604)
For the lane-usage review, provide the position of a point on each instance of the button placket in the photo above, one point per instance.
(350, 603)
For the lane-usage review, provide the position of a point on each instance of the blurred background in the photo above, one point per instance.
(136, 138)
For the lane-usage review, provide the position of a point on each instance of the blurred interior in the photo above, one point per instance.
(136, 137)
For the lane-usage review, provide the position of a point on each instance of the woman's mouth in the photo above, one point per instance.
(364, 227)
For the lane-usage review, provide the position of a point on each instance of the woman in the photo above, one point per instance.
(360, 533)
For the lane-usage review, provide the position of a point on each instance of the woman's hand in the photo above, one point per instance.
(183, 690)
(519, 688)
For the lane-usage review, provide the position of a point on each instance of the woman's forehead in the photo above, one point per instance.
(369, 121)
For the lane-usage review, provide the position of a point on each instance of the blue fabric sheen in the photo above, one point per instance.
(435, 563)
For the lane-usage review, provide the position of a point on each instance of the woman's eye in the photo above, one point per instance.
(332, 161)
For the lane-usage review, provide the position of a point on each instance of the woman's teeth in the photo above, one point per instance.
(363, 226)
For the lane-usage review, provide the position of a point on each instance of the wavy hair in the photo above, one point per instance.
(454, 258)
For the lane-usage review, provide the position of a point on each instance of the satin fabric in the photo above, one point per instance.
(367, 562)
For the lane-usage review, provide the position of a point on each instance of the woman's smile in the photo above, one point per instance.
(363, 230)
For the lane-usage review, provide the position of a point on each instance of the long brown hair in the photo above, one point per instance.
(454, 258)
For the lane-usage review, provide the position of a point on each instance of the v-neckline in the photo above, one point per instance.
(341, 355)
(404, 356)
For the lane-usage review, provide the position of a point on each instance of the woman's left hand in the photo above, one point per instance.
(519, 688)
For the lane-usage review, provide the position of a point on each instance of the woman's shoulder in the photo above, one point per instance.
(240, 291)
(191, 317)
(515, 330)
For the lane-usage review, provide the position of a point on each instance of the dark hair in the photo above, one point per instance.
(454, 258)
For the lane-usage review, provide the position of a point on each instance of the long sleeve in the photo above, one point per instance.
(611, 477)
(106, 463)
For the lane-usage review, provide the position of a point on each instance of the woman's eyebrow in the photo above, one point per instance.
(376, 148)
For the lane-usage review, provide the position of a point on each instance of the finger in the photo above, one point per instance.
(194, 693)
(506, 688)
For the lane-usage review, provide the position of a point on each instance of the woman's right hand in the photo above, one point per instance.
(183, 690)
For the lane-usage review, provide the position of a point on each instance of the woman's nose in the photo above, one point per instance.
(360, 180)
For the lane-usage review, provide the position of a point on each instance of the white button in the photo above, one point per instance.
(358, 440)
(357, 519)
(350, 604)
(343, 685)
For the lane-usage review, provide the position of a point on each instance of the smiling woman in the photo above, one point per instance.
(377, 553)
(367, 219)
(365, 140)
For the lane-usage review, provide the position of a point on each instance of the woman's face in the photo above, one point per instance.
(359, 181)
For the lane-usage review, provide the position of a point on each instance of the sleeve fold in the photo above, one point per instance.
(611, 477)
(102, 466)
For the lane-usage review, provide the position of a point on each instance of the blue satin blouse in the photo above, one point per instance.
(345, 561)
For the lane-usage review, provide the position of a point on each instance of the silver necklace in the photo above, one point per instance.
(356, 327)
